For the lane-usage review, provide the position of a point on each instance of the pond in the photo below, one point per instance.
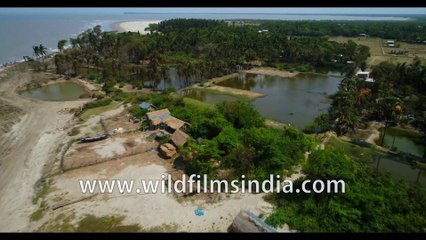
(294, 100)
(403, 141)
(174, 81)
(400, 170)
(64, 91)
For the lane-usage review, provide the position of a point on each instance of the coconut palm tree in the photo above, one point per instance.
(61, 44)
(42, 51)
(36, 51)
(74, 42)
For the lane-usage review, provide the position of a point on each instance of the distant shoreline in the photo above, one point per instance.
(368, 17)
(133, 26)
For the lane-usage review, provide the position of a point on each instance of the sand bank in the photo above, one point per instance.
(134, 26)
(233, 91)
(271, 71)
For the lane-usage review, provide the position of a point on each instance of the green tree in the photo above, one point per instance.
(241, 114)
(61, 44)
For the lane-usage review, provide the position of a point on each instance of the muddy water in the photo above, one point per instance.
(65, 91)
(403, 141)
(294, 100)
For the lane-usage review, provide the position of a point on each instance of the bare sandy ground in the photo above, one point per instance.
(375, 133)
(234, 91)
(211, 84)
(271, 71)
(26, 149)
(134, 26)
(148, 210)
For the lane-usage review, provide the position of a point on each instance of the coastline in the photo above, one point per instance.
(28, 148)
(133, 26)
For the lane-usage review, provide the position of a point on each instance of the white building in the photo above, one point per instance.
(365, 76)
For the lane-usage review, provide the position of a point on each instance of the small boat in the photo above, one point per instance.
(93, 139)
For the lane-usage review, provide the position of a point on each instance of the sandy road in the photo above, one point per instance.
(27, 148)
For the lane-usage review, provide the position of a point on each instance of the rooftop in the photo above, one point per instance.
(179, 138)
(173, 123)
(161, 114)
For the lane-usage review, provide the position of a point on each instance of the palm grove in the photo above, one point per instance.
(232, 137)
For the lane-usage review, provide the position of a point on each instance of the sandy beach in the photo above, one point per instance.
(134, 26)
(27, 147)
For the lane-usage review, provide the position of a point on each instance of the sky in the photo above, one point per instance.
(378, 11)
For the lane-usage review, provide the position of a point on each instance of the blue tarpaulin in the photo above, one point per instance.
(199, 212)
(145, 105)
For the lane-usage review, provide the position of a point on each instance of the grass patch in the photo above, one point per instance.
(105, 224)
(98, 110)
(237, 96)
(59, 148)
(99, 103)
(62, 223)
(74, 131)
(162, 228)
(96, 128)
(42, 191)
(90, 223)
(64, 227)
(377, 47)
(357, 152)
(197, 103)
(37, 215)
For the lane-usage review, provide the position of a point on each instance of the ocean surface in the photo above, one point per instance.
(20, 30)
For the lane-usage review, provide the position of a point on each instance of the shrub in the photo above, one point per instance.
(99, 103)
(74, 131)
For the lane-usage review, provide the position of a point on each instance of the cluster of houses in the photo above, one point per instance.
(162, 119)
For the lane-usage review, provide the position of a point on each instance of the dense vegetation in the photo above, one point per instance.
(408, 31)
(198, 49)
(231, 138)
(398, 91)
(372, 202)
(228, 137)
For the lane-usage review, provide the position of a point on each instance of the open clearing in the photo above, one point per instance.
(84, 154)
(379, 52)
(149, 211)
(98, 110)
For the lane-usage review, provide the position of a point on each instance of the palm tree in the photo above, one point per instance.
(61, 44)
(164, 72)
(74, 42)
(36, 51)
(344, 107)
(155, 61)
(42, 51)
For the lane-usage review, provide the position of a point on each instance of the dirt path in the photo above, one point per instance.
(26, 148)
